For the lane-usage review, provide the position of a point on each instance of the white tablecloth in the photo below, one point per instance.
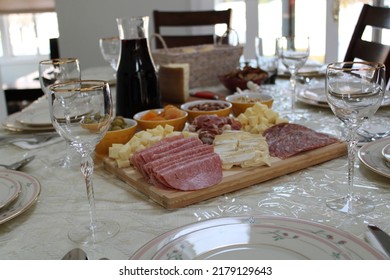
(41, 232)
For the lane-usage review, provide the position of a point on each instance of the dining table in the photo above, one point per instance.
(40, 232)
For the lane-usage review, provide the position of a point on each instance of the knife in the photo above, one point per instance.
(75, 254)
(382, 238)
(205, 95)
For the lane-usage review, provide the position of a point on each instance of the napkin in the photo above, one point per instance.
(29, 146)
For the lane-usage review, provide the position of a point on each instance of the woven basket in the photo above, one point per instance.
(206, 61)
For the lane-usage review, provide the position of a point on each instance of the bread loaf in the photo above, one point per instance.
(174, 82)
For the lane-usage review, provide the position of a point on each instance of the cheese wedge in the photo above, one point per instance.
(174, 82)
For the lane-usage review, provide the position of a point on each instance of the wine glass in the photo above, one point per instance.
(267, 58)
(56, 71)
(293, 52)
(110, 48)
(354, 92)
(81, 111)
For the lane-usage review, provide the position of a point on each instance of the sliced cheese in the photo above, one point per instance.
(241, 149)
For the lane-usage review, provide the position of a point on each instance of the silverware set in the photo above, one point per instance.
(29, 138)
(19, 164)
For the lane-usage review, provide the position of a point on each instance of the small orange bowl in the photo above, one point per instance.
(121, 136)
(243, 101)
(178, 123)
(196, 108)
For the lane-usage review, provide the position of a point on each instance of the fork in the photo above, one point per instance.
(31, 139)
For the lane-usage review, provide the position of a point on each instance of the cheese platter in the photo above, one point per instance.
(233, 179)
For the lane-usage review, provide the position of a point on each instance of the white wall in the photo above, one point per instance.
(82, 22)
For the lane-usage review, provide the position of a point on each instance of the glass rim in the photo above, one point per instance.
(368, 65)
(110, 38)
(61, 60)
(135, 18)
(63, 86)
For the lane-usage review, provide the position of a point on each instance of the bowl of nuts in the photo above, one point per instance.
(196, 108)
(120, 132)
(240, 78)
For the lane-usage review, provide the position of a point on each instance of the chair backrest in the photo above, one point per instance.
(376, 17)
(188, 19)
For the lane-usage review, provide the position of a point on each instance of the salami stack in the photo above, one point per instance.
(179, 163)
(288, 139)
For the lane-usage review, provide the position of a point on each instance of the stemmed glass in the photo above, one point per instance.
(110, 48)
(56, 71)
(293, 52)
(81, 111)
(354, 91)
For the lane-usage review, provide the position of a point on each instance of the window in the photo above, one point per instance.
(329, 24)
(27, 34)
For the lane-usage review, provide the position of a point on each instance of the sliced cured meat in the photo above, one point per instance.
(287, 139)
(194, 174)
(179, 156)
(208, 126)
(151, 167)
(140, 158)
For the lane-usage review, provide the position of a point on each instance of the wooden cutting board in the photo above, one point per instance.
(233, 179)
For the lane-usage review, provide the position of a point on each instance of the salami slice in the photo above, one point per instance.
(151, 167)
(194, 174)
(172, 163)
(286, 139)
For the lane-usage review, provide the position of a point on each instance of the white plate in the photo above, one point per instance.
(31, 189)
(9, 190)
(11, 123)
(316, 96)
(259, 237)
(35, 117)
(371, 156)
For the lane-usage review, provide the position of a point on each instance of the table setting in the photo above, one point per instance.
(281, 208)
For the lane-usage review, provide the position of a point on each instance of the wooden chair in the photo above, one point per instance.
(377, 17)
(189, 19)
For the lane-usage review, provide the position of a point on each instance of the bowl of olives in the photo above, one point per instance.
(120, 132)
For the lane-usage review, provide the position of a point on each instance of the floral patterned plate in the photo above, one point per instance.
(9, 190)
(258, 237)
(371, 156)
(31, 189)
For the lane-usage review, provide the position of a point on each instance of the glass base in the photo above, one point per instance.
(352, 205)
(86, 234)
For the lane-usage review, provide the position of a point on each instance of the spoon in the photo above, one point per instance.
(75, 254)
(19, 164)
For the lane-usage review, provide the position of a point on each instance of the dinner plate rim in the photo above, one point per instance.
(10, 123)
(323, 104)
(375, 146)
(146, 251)
(30, 191)
(16, 189)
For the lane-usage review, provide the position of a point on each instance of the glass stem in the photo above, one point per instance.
(293, 83)
(352, 144)
(87, 168)
(68, 150)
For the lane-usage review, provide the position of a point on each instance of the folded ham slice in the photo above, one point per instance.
(180, 163)
(288, 139)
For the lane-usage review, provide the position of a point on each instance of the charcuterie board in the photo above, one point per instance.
(233, 179)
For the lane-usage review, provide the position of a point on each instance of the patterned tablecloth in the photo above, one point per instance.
(41, 232)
